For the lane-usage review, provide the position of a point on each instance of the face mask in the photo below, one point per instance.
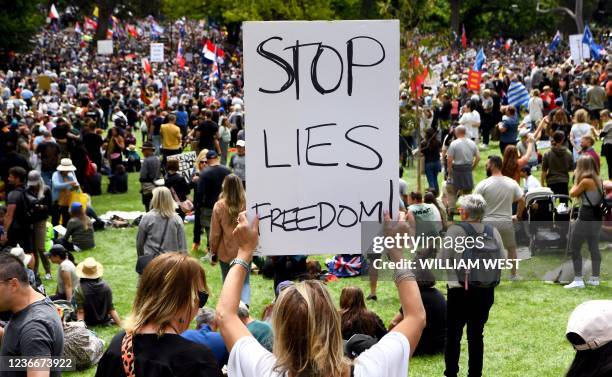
(202, 298)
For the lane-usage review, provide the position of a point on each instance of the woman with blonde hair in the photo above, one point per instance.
(580, 128)
(161, 229)
(307, 332)
(223, 246)
(172, 289)
(587, 187)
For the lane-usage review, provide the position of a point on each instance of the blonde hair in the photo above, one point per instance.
(169, 285)
(163, 203)
(581, 116)
(307, 334)
(233, 194)
(201, 157)
(586, 168)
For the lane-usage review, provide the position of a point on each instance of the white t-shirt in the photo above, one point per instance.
(387, 358)
(536, 107)
(471, 121)
(499, 192)
(531, 183)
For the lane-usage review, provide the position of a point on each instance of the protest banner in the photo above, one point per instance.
(157, 53)
(186, 163)
(474, 78)
(578, 50)
(327, 161)
(105, 47)
(44, 82)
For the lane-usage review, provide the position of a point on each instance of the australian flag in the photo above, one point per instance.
(552, 47)
(587, 38)
(480, 59)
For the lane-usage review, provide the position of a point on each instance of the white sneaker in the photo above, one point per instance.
(575, 284)
(594, 281)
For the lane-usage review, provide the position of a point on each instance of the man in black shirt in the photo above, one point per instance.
(17, 225)
(207, 133)
(209, 188)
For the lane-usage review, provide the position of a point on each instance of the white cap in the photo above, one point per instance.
(592, 321)
(240, 143)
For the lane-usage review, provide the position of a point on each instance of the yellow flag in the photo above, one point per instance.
(95, 11)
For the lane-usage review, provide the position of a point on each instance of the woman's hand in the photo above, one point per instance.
(246, 235)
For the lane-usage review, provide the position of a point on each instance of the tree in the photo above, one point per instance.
(576, 15)
(19, 21)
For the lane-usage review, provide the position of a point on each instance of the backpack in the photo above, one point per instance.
(481, 277)
(34, 209)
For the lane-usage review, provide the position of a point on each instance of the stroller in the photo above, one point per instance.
(548, 219)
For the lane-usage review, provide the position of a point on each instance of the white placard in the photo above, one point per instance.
(105, 47)
(322, 144)
(186, 164)
(157, 53)
(579, 50)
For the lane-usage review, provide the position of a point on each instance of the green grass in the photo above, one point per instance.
(524, 335)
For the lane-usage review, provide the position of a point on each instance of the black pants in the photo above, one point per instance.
(466, 307)
(146, 200)
(586, 231)
(502, 146)
(606, 151)
(559, 189)
(58, 211)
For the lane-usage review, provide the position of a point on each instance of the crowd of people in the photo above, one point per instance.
(57, 142)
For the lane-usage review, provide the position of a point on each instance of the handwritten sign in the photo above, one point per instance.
(105, 47)
(186, 163)
(579, 51)
(323, 131)
(157, 53)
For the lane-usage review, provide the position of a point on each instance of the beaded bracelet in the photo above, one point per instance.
(241, 262)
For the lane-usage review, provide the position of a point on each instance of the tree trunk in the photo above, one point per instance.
(105, 10)
(455, 8)
(578, 12)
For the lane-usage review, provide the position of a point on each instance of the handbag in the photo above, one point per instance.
(143, 261)
(127, 355)
(186, 205)
(604, 206)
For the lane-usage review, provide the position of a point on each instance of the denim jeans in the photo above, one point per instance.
(224, 147)
(245, 296)
(431, 172)
(156, 140)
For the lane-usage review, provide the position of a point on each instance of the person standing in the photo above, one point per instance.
(170, 137)
(470, 119)
(430, 148)
(64, 182)
(17, 224)
(500, 192)
(606, 135)
(209, 188)
(580, 128)
(238, 162)
(42, 193)
(462, 157)
(222, 244)
(588, 187)
(225, 136)
(150, 171)
(467, 307)
(536, 109)
(35, 329)
(508, 128)
(556, 165)
(595, 99)
(207, 133)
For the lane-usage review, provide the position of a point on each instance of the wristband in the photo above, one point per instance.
(401, 275)
(241, 262)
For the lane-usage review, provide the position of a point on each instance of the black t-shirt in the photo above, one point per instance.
(60, 132)
(95, 297)
(157, 122)
(49, 153)
(209, 186)
(20, 220)
(208, 130)
(105, 104)
(166, 356)
(434, 333)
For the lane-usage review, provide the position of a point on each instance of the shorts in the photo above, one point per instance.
(506, 231)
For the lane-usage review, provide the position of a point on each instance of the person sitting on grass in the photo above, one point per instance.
(205, 334)
(94, 297)
(306, 324)
(355, 318)
(172, 289)
(67, 279)
(589, 330)
(262, 331)
(79, 231)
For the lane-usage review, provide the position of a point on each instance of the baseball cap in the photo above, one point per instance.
(240, 143)
(282, 285)
(23, 257)
(76, 207)
(56, 250)
(211, 155)
(357, 344)
(592, 321)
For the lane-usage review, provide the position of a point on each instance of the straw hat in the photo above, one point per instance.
(66, 165)
(89, 269)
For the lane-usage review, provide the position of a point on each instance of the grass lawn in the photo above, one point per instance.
(524, 335)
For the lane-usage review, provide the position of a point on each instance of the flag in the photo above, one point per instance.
(77, 28)
(156, 29)
(517, 94)
(180, 60)
(474, 78)
(508, 44)
(164, 96)
(480, 59)
(109, 34)
(95, 12)
(463, 37)
(146, 66)
(416, 85)
(587, 38)
(213, 53)
(90, 23)
(143, 97)
(552, 47)
(53, 14)
(131, 30)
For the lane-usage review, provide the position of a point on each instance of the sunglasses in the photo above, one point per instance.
(202, 298)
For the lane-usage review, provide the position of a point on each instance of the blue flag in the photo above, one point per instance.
(587, 38)
(517, 94)
(480, 59)
(555, 42)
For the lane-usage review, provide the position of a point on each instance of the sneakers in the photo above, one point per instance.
(372, 297)
(483, 146)
(593, 281)
(577, 283)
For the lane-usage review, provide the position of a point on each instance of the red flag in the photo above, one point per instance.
(143, 97)
(463, 38)
(180, 60)
(90, 23)
(131, 29)
(164, 97)
(53, 13)
(211, 51)
(146, 66)
(474, 78)
(416, 85)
